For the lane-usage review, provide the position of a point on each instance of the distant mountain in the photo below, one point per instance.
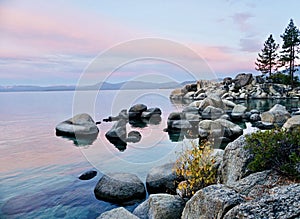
(130, 85)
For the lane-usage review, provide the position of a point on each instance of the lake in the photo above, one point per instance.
(39, 171)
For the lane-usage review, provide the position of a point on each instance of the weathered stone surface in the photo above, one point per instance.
(81, 124)
(120, 188)
(211, 202)
(134, 137)
(117, 213)
(283, 202)
(242, 80)
(160, 206)
(181, 124)
(177, 93)
(161, 179)
(151, 112)
(211, 100)
(276, 115)
(238, 111)
(211, 112)
(235, 161)
(135, 112)
(292, 122)
(117, 134)
(254, 117)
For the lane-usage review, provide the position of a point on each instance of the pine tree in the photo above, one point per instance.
(266, 60)
(290, 48)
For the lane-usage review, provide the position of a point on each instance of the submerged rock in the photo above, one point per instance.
(88, 175)
(120, 188)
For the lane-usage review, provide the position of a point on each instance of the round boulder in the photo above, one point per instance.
(136, 111)
(161, 179)
(120, 188)
(79, 125)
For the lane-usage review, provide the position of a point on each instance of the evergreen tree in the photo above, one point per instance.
(290, 48)
(266, 60)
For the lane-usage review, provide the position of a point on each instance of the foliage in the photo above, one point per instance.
(290, 48)
(276, 149)
(266, 60)
(281, 78)
(195, 165)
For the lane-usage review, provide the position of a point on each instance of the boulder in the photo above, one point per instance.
(255, 117)
(211, 202)
(160, 206)
(276, 115)
(79, 125)
(292, 122)
(117, 134)
(191, 110)
(181, 124)
(151, 112)
(120, 188)
(211, 112)
(211, 100)
(242, 80)
(88, 175)
(135, 112)
(282, 202)
(231, 130)
(161, 179)
(134, 137)
(117, 213)
(235, 161)
(177, 93)
(238, 111)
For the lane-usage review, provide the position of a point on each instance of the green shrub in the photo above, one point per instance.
(276, 149)
(195, 166)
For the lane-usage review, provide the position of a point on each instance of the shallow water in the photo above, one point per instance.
(39, 171)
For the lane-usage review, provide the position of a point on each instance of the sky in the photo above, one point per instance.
(57, 42)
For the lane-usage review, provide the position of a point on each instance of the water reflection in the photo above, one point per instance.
(80, 140)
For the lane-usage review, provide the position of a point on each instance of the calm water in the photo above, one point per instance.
(39, 171)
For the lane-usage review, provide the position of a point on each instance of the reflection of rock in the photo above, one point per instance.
(81, 129)
(88, 175)
(120, 188)
(81, 125)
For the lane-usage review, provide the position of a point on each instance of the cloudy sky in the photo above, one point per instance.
(54, 42)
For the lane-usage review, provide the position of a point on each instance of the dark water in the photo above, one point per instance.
(39, 171)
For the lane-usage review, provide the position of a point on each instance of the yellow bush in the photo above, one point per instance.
(195, 166)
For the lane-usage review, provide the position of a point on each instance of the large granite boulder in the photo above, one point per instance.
(235, 161)
(242, 80)
(117, 213)
(117, 135)
(282, 202)
(79, 125)
(292, 122)
(120, 188)
(276, 115)
(211, 100)
(161, 179)
(211, 112)
(160, 206)
(211, 202)
(178, 93)
(238, 111)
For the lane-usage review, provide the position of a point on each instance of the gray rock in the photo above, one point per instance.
(292, 122)
(238, 111)
(276, 115)
(117, 131)
(254, 117)
(242, 80)
(283, 202)
(160, 206)
(81, 125)
(151, 112)
(161, 179)
(235, 161)
(121, 188)
(191, 110)
(88, 175)
(117, 213)
(181, 124)
(134, 137)
(211, 112)
(135, 112)
(177, 93)
(211, 100)
(211, 202)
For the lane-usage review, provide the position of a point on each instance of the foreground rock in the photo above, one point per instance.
(79, 125)
(161, 179)
(160, 206)
(117, 213)
(276, 115)
(235, 161)
(120, 188)
(292, 123)
(211, 202)
(282, 202)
